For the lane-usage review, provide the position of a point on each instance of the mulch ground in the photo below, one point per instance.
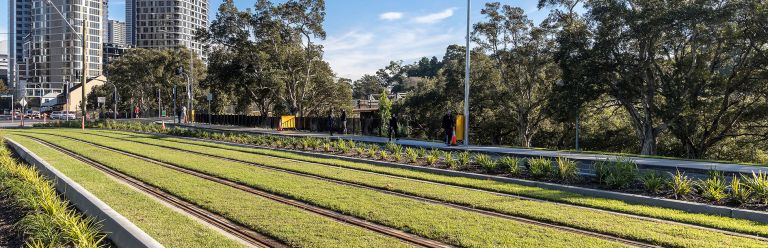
(9, 215)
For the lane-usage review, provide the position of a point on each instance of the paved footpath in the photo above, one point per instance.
(642, 162)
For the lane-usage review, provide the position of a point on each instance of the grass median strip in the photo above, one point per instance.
(457, 227)
(290, 225)
(719, 222)
(170, 228)
(622, 226)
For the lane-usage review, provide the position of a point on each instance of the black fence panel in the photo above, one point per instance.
(365, 126)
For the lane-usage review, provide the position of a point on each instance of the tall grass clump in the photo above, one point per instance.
(48, 220)
(412, 155)
(617, 174)
(713, 188)
(486, 162)
(464, 159)
(433, 157)
(566, 169)
(758, 184)
(512, 165)
(681, 185)
(653, 182)
(739, 193)
(540, 167)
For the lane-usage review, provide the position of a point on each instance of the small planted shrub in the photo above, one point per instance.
(422, 152)
(617, 174)
(566, 169)
(681, 185)
(758, 184)
(327, 147)
(383, 155)
(485, 161)
(397, 156)
(464, 159)
(360, 151)
(372, 151)
(352, 144)
(739, 193)
(512, 165)
(342, 146)
(432, 157)
(412, 154)
(713, 188)
(540, 167)
(653, 182)
(450, 161)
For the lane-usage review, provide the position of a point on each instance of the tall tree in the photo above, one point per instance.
(523, 56)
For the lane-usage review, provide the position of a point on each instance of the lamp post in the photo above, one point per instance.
(466, 80)
(84, 40)
(180, 72)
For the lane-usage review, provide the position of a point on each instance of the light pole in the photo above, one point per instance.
(180, 72)
(466, 80)
(84, 61)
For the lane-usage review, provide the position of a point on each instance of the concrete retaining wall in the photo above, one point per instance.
(119, 230)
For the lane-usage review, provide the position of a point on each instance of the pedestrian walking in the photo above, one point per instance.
(184, 114)
(393, 128)
(330, 122)
(343, 119)
(447, 128)
(136, 112)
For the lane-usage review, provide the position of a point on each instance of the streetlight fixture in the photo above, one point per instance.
(180, 72)
(466, 80)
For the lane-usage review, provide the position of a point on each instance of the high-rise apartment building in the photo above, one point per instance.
(19, 26)
(55, 49)
(116, 33)
(165, 24)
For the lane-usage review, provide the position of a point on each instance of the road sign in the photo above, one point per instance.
(210, 96)
(101, 99)
(23, 102)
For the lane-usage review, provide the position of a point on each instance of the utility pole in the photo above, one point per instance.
(84, 76)
(159, 109)
(466, 81)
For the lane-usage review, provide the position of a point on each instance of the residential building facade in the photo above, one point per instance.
(116, 33)
(165, 23)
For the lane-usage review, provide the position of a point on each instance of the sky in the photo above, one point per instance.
(364, 35)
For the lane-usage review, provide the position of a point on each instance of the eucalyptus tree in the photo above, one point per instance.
(523, 54)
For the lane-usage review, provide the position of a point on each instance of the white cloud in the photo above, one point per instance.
(391, 16)
(435, 17)
(355, 53)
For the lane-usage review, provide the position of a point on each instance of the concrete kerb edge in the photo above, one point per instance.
(119, 229)
(691, 207)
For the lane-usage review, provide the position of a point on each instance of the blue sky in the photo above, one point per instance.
(364, 35)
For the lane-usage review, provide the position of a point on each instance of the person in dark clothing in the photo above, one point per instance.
(447, 128)
(343, 119)
(393, 127)
(330, 122)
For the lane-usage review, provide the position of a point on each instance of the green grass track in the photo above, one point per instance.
(667, 234)
(170, 228)
(434, 221)
(713, 221)
(293, 226)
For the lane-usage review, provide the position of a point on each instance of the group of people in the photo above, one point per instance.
(342, 121)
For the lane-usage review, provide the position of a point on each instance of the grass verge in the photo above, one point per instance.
(48, 220)
(170, 228)
(288, 224)
(599, 221)
(718, 222)
(457, 227)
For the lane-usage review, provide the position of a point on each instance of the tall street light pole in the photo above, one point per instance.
(84, 40)
(466, 81)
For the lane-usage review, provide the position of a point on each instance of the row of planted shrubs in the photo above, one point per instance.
(48, 220)
(619, 174)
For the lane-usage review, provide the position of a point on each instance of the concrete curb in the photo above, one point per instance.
(691, 207)
(120, 230)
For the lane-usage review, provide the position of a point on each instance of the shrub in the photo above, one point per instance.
(712, 188)
(352, 144)
(485, 161)
(512, 165)
(653, 182)
(372, 151)
(758, 184)
(464, 159)
(449, 160)
(739, 193)
(422, 152)
(397, 156)
(617, 174)
(327, 147)
(433, 157)
(383, 155)
(412, 154)
(342, 146)
(681, 185)
(540, 167)
(566, 169)
(359, 151)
